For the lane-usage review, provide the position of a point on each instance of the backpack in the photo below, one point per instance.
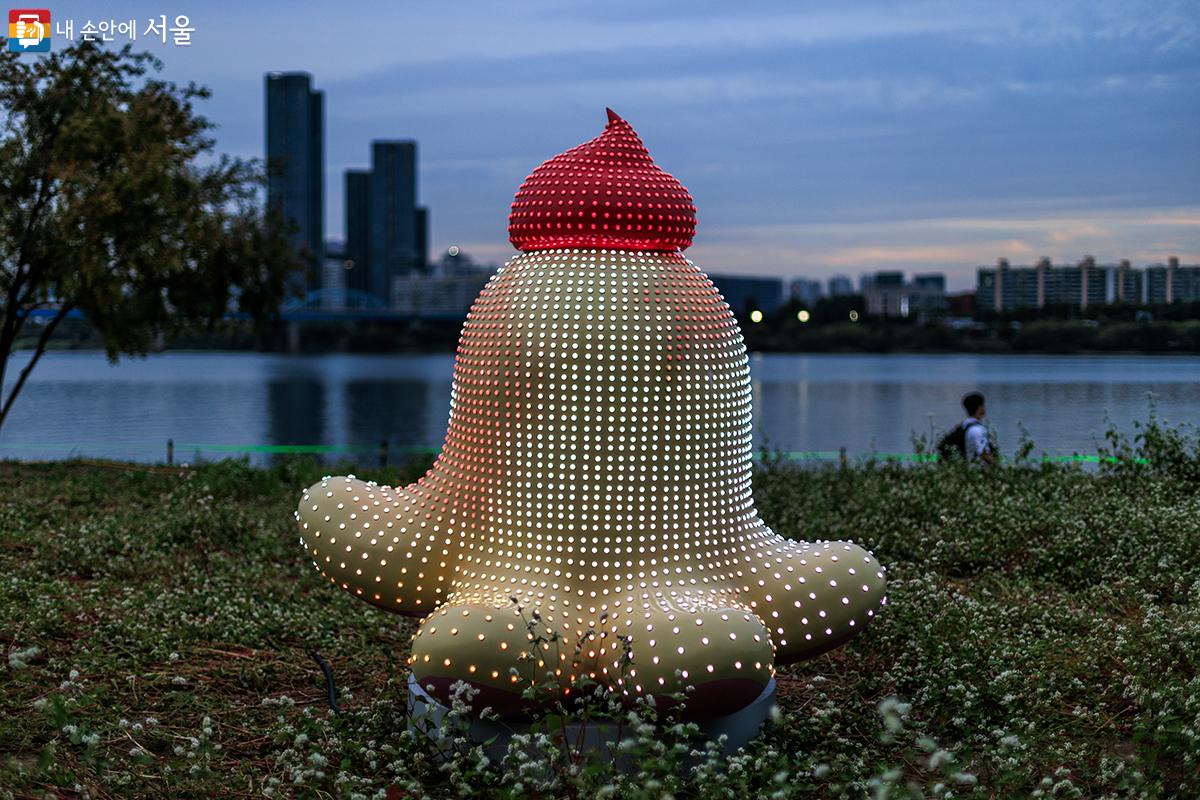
(954, 443)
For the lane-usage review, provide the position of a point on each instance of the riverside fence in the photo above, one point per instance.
(384, 452)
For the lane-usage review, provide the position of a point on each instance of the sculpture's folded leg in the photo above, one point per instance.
(812, 596)
(498, 648)
(383, 544)
(706, 646)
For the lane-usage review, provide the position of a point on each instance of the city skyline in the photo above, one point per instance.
(385, 233)
(817, 142)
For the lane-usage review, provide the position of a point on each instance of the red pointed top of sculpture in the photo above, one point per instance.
(604, 193)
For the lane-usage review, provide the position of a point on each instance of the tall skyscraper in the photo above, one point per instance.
(296, 164)
(805, 291)
(393, 213)
(840, 285)
(934, 281)
(422, 223)
(358, 229)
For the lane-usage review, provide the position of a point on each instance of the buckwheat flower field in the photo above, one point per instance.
(1041, 639)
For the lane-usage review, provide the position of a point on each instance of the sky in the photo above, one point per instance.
(816, 138)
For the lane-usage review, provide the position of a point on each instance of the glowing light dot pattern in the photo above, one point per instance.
(604, 193)
(596, 469)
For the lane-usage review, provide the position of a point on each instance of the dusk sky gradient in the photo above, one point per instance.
(816, 138)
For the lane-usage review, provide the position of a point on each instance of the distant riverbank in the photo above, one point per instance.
(1063, 337)
(779, 334)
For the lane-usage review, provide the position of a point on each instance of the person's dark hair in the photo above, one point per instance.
(971, 402)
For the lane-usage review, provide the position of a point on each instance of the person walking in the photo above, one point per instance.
(969, 439)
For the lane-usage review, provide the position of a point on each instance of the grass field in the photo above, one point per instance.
(1042, 638)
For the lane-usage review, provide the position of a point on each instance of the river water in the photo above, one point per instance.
(218, 404)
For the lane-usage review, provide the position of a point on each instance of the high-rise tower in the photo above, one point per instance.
(358, 229)
(296, 164)
(393, 213)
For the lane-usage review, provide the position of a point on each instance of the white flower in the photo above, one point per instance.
(19, 659)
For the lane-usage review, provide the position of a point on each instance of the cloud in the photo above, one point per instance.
(955, 245)
(916, 135)
(1083, 232)
(942, 254)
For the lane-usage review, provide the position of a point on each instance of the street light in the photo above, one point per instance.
(803, 315)
(853, 315)
(756, 316)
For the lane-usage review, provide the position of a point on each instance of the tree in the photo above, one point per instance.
(114, 206)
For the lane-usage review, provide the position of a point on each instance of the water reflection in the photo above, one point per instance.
(396, 410)
(297, 409)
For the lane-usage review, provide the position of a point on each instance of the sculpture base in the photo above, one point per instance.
(425, 716)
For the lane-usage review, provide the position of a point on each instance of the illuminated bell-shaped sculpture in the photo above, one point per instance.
(591, 510)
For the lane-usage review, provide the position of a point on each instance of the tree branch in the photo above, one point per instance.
(26, 270)
(13, 321)
(37, 354)
(7, 338)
